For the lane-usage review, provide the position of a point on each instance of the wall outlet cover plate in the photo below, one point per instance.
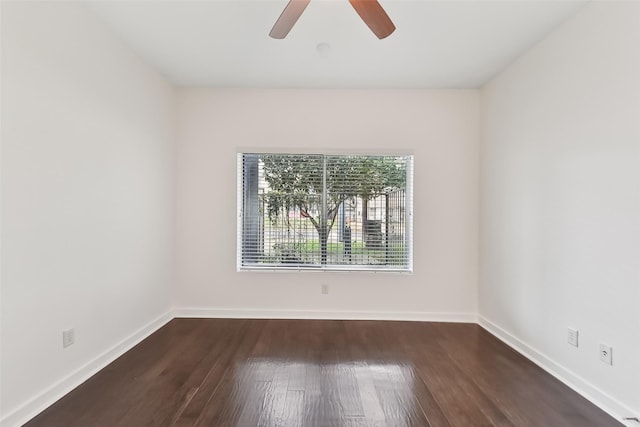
(606, 354)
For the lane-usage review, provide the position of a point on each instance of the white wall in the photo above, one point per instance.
(439, 127)
(87, 140)
(560, 215)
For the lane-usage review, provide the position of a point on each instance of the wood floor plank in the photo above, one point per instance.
(282, 373)
(219, 400)
(391, 371)
(455, 393)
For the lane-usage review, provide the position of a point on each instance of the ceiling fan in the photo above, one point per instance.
(369, 10)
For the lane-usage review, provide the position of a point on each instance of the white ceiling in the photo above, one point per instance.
(437, 44)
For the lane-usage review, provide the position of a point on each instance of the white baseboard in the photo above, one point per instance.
(45, 399)
(581, 386)
(324, 315)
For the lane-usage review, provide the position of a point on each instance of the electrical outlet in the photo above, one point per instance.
(324, 289)
(572, 337)
(68, 337)
(606, 355)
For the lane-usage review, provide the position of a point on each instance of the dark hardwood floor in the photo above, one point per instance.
(223, 372)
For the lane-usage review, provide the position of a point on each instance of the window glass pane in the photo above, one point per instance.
(325, 212)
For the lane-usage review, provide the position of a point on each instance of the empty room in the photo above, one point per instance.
(320, 213)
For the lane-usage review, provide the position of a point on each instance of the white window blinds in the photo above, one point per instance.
(340, 212)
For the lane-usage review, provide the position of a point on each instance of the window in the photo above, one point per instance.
(327, 212)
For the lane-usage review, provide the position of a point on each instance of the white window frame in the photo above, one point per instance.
(279, 267)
